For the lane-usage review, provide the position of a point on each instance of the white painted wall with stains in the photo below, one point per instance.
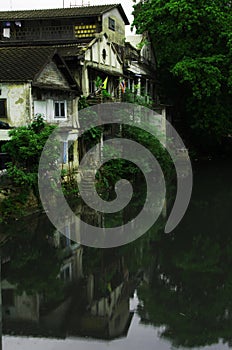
(18, 103)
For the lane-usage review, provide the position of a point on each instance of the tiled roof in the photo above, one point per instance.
(71, 50)
(23, 63)
(72, 12)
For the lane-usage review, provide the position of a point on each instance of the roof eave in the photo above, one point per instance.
(74, 90)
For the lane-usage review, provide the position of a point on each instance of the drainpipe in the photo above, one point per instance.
(75, 120)
(30, 103)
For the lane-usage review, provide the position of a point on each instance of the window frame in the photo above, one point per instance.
(111, 24)
(60, 117)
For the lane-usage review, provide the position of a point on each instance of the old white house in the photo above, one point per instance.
(36, 81)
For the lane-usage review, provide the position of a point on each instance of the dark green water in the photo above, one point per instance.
(161, 292)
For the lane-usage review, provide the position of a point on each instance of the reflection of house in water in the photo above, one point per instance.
(88, 307)
(21, 314)
(25, 313)
(106, 314)
(71, 269)
(16, 306)
(108, 317)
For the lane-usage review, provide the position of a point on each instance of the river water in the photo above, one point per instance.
(163, 291)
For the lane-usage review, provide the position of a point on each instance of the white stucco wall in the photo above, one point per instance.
(111, 65)
(111, 60)
(18, 103)
(94, 57)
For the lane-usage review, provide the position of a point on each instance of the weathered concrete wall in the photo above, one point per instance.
(117, 36)
(18, 103)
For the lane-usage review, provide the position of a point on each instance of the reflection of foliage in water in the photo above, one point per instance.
(189, 289)
(112, 265)
(34, 262)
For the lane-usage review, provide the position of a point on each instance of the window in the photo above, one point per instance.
(111, 24)
(104, 54)
(60, 110)
(6, 33)
(3, 113)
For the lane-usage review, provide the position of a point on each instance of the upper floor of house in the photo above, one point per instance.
(36, 81)
(63, 25)
(139, 52)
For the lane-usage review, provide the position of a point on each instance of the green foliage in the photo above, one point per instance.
(132, 97)
(152, 144)
(142, 44)
(82, 103)
(24, 149)
(202, 73)
(193, 45)
(90, 137)
(100, 90)
(98, 82)
(118, 168)
(69, 186)
(105, 94)
(13, 205)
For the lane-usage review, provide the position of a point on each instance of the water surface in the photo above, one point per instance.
(163, 291)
